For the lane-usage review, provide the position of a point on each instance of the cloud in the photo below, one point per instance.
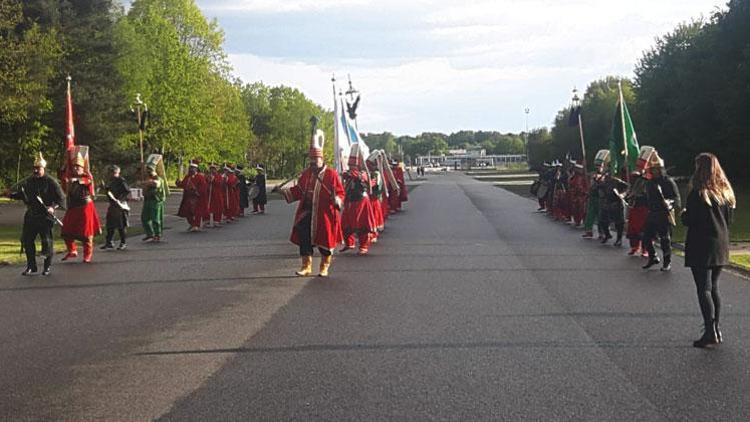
(281, 6)
(442, 65)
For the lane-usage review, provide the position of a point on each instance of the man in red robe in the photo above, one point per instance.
(317, 222)
(232, 189)
(194, 197)
(216, 201)
(81, 221)
(578, 188)
(376, 196)
(357, 217)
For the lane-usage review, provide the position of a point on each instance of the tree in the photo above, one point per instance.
(28, 56)
(176, 61)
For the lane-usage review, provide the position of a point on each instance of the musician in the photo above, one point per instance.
(232, 192)
(317, 222)
(81, 221)
(118, 211)
(261, 199)
(398, 193)
(578, 187)
(154, 194)
(243, 188)
(216, 205)
(376, 198)
(612, 207)
(357, 217)
(638, 210)
(662, 198)
(194, 197)
(42, 195)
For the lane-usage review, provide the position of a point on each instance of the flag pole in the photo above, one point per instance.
(577, 104)
(624, 131)
(337, 150)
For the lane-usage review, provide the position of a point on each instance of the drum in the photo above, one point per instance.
(254, 192)
(542, 192)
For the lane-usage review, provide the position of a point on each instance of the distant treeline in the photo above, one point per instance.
(167, 51)
(430, 143)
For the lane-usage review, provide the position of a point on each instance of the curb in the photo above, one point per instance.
(734, 268)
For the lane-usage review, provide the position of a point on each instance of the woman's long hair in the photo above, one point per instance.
(710, 181)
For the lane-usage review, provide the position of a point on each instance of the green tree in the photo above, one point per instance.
(28, 57)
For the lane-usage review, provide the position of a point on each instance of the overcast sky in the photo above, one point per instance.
(439, 65)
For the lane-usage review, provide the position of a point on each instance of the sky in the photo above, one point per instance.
(444, 66)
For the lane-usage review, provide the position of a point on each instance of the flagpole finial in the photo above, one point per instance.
(333, 77)
(68, 78)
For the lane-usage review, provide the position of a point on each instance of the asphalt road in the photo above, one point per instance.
(472, 307)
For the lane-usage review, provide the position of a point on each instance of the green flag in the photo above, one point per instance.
(620, 148)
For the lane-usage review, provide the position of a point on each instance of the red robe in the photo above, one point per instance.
(403, 195)
(578, 188)
(325, 191)
(233, 196)
(194, 199)
(357, 216)
(81, 220)
(216, 201)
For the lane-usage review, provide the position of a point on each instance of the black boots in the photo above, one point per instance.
(652, 260)
(718, 332)
(667, 263)
(709, 339)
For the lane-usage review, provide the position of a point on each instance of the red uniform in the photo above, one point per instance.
(232, 196)
(320, 195)
(395, 196)
(194, 199)
(216, 200)
(357, 217)
(578, 188)
(81, 221)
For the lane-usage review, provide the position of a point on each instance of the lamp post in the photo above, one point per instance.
(141, 110)
(526, 136)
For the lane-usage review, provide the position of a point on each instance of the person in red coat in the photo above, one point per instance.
(232, 189)
(81, 221)
(317, 222)
(376, 196)
(578, 188)
(396, 195)
(357, 218)
(216, 201)
(637, 212)
(194, 197)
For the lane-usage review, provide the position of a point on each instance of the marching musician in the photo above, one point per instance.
(118, 211)
(42, 195)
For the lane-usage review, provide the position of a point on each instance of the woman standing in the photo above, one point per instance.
(707, 215)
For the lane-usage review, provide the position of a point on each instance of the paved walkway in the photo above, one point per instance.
(472, 307)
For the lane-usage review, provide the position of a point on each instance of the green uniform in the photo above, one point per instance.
(152, 215)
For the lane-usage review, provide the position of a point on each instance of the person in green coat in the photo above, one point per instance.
(152, 215)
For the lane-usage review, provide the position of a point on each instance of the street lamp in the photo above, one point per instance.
(140, 109)
(526, 135)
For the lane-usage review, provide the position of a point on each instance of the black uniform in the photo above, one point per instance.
(117, 217)
(244, 193)
(662, 197)
(611, 207)
(262, 198)
(37, 221)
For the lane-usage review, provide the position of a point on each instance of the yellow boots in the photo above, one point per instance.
(306, 269)
(325, 264)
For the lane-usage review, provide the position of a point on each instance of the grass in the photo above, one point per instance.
(10, 243)
(741, 260)
(739, 231)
